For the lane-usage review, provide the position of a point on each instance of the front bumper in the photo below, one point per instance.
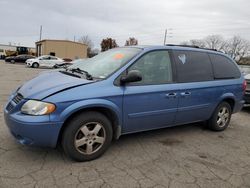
(32, 130)
(28, 64)
(247, 97)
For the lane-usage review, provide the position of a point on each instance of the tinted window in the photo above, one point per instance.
(45, 58)
(53, 58)
(193, 66)
(224, 67)
(155, 68)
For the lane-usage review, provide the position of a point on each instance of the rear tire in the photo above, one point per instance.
(12, 61)
(87, 136)
(221, 117)
(35, 65)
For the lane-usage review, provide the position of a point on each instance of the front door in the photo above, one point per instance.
(152, 102)
(43, 61)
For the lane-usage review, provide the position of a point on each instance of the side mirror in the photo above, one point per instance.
(132, 76)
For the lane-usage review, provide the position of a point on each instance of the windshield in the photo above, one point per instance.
(105, 63)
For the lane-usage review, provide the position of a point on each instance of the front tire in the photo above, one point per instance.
(221, 117)
(87, 136)
(35, 65)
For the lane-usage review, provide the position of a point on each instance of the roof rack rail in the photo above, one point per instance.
(190, 46)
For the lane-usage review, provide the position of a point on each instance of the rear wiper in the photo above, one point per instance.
(78, 70)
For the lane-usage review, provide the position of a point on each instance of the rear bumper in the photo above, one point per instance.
(44, 134)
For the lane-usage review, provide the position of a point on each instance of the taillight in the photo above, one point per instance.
(244, 86)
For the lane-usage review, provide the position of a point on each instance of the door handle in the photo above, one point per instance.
(186, 93)
(171, 95)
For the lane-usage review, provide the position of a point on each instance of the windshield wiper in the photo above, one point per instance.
(69, 73)
(78, 70)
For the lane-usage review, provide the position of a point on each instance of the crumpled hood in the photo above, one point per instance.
(47, 83)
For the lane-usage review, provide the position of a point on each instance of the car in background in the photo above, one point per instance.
(44, 61)
(67, 64)
(245, 69)
(19, 58)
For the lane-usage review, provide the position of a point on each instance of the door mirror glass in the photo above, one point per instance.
(132, 76)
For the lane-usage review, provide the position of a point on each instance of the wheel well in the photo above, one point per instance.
(105, 111)
(231, 102)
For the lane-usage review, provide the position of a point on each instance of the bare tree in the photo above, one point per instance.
(237, 47)
(216, 42)
(94, 52)
(195, 42)
(87, 41)
(108, 43)
(131, 41)
(212, 41)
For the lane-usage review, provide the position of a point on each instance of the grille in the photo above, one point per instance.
(9, 107)
(17, 98)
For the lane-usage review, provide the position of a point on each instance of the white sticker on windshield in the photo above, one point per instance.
(182, 58)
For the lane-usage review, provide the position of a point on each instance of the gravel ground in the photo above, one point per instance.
(184, 156)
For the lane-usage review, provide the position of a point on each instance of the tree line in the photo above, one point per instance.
(106, 44)
(236, 46)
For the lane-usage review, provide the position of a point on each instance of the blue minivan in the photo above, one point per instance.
(121, 91)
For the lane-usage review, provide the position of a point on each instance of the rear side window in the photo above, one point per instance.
(223, 67)
(193, 66)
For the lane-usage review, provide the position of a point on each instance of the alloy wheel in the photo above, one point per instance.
(223, 117)
(90, 138)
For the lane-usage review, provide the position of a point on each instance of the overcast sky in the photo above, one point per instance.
(144, 19)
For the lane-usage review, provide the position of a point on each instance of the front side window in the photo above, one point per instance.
(155, 68)
(44, 58)
(105, 63)
(193, 66)
(53, 58)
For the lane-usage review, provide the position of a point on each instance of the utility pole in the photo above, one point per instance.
(41, 30)
(165, 36)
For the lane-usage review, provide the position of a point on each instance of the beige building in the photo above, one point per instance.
(61, 48)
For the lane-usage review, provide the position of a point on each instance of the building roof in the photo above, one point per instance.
(56, 40)
(15, 45)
